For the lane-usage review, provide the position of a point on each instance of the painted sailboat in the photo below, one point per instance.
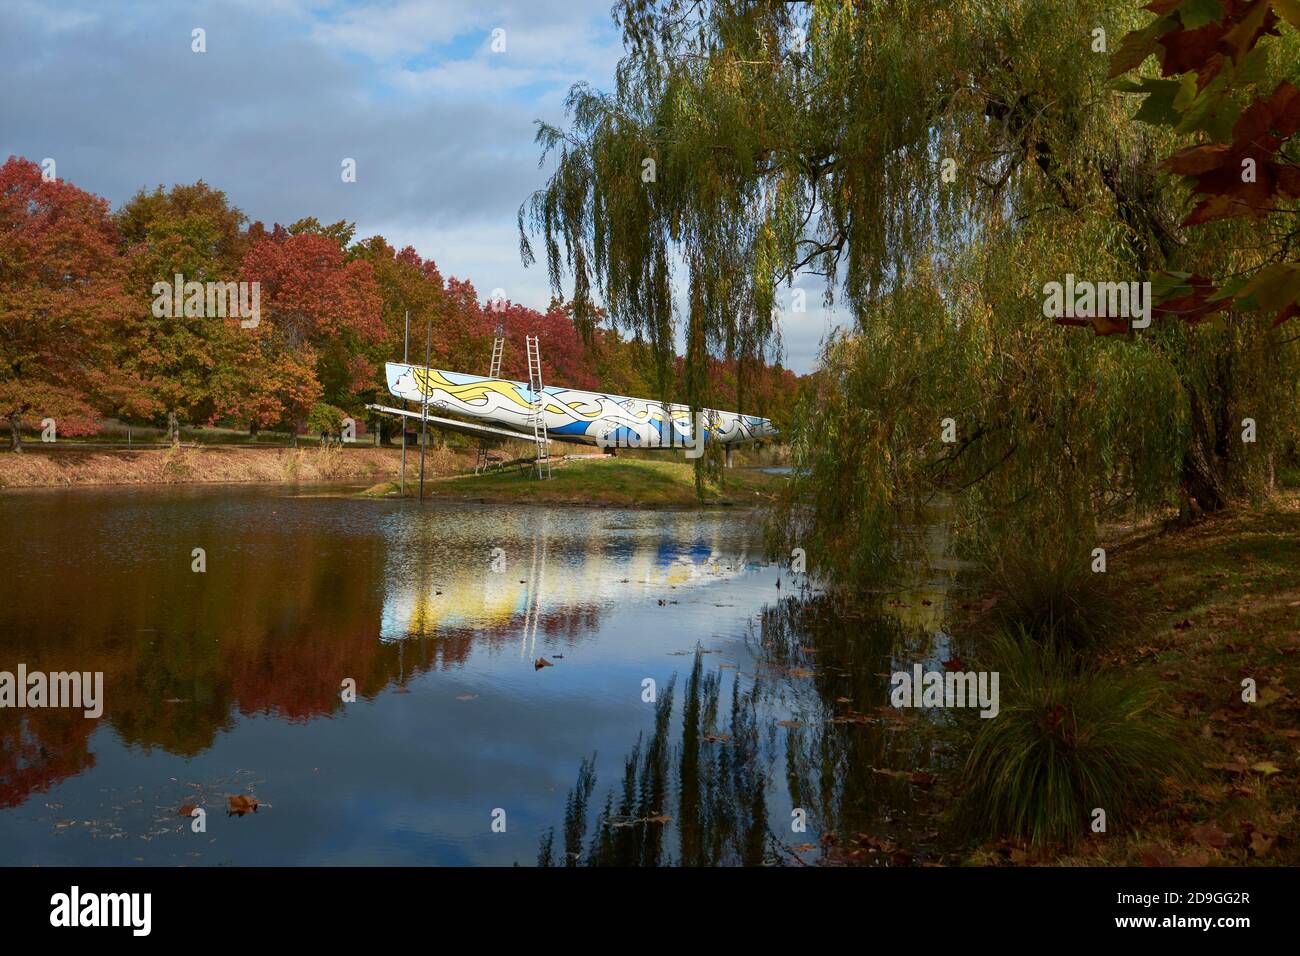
(508, 409)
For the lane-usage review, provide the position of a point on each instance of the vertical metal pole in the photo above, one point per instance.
(424, 414)
(406, 348)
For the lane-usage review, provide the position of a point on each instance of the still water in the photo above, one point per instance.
(690, 708)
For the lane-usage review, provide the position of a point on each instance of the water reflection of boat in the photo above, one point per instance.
(542, 575)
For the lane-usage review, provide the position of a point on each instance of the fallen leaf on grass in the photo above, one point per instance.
(1240, 766)
(1268, 696)
(1210, 835)
(1261, 843)
(1156, 856)
(1266, 767)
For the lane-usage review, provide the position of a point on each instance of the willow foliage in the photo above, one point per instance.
(793, 138)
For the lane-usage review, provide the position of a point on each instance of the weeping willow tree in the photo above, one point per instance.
(937, 163)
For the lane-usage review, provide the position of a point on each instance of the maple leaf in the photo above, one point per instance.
(1186, 50)
(241, 804)
(1195, 305)
(1278, 115)
(1210, 835)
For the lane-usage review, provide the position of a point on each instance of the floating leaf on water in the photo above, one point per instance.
(241, 804)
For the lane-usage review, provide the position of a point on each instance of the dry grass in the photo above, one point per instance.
(191, 464)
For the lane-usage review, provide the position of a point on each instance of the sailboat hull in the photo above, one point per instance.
(571, 414)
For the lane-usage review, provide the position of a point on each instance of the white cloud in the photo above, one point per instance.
(441, 128)
(385, 30)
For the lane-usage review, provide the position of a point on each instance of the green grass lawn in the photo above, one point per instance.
(610, 481)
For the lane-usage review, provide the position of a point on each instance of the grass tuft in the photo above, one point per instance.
(1068, 738)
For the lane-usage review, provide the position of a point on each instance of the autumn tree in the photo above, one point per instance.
(191, 231)
(322, 312)
(60, 291)
(938, 164)
(408, 286)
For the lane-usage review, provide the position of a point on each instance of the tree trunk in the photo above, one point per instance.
(1205, 464)
(253, 429)
(173, 428)
(15, 435)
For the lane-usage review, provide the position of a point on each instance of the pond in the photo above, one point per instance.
(553, 685)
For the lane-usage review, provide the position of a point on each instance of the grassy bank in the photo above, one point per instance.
(619, 481)
(1206, 609)
(626, 482)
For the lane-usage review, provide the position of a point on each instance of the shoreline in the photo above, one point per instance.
(618, 482)
(192, 464)
(1205, 606)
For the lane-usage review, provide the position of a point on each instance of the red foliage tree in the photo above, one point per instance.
(322, 310)
(60, 289)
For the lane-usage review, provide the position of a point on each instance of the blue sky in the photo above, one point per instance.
(441, 126)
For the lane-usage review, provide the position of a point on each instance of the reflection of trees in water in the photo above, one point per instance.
(823, 693)
(715, 778)
(847, 728)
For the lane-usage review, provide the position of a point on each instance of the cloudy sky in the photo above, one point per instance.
(440, 126)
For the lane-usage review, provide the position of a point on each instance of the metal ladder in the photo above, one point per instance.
(494, 371)
(538, 414)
